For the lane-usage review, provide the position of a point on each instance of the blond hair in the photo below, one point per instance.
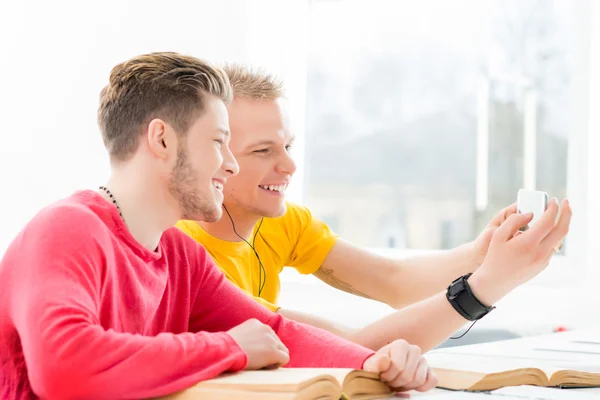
(163, 85)
(253, 83)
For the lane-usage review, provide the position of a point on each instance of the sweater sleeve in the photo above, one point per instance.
(220, 306)
(69, 354)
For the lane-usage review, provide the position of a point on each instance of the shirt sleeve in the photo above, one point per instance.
(312, 239)
(272, 307)
(221, 306)
(67, 351)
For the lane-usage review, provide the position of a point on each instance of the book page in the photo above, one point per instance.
(487, 365)
(281, 379)
(546, 351)
(467, 396)
(535, 392)
(578, 350)
(550, 352)
(480, 364)
(571, 346)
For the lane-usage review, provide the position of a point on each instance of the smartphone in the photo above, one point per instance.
(532, 201)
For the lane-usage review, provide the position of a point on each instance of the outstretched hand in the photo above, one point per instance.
(482, 243)
(515, 257)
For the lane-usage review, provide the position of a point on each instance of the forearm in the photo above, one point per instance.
(317, 348)
(426, 324)
(396, 282)
(80, 360)
(309, 345)
(420, 277)
(227, 306)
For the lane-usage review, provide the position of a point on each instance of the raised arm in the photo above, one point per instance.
(396, 282)
(402, 282)
(512, 259)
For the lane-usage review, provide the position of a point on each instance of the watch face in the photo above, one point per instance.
(457, 286)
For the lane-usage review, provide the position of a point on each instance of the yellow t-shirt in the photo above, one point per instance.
(295, 239)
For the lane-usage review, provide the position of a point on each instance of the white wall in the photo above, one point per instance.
(593, 171)
(56, 56)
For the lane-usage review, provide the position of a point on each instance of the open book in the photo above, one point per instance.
(472, 372)
(288, 383)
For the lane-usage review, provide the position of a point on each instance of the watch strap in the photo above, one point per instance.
(462, 299)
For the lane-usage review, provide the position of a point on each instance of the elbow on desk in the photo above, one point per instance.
(52, 382)
(62, 372)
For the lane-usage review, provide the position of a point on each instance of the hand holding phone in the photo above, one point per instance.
(531, 201)
(512, 258)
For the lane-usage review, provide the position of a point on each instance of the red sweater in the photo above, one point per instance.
(87, 312)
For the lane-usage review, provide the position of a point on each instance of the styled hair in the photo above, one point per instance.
(164, 85)
(253, 83)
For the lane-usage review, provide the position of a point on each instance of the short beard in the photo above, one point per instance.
(183, 187)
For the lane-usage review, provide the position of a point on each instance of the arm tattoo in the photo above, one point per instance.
(326, 275)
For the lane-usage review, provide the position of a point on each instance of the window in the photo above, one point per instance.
(425, 118)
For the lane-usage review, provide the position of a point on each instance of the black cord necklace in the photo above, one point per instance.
(112, 198)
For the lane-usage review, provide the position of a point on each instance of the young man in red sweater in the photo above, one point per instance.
(101, 297)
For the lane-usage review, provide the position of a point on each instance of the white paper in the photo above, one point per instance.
(542, 393)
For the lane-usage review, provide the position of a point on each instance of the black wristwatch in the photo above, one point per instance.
(463, 300)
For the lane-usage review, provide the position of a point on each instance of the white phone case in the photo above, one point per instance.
(532, 201)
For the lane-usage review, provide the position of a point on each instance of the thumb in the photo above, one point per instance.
(512, 225)
(487, 234)
(377, 363)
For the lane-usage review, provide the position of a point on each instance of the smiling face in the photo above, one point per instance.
(261, 142)
(203, 165)
(166, 111)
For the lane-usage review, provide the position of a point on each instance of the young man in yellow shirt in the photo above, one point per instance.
(260, 233)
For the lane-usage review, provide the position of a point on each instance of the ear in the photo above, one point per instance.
(161, 138)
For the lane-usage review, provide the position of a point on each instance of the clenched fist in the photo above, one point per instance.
(402, 367)
(262, 346)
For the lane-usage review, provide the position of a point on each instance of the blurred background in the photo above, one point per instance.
(404, 93)
(416, 121)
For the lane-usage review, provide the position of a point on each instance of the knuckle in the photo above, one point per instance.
(400, 381)
(274, 352)
(408, 375)
(515, 217)
(527, 243)
(415, 349)
(567, 210)
(419, 381)
(496, 237)
(388, 376)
